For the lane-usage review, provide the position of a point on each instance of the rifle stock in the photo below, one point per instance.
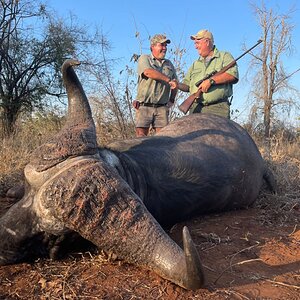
(187, 103)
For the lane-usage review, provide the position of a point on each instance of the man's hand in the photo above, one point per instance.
(173, 84)
(204, 86)
(170, 104)
(136, 104)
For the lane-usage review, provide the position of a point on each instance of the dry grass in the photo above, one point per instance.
(75, 277)
(283, 158)
(282, 155)
(16, 150)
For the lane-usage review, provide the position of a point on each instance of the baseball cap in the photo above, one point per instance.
(159, 38)
(203, 34)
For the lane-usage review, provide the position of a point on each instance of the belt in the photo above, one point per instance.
(152, 104)
(199, 101)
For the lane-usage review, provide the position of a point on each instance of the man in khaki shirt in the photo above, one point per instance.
(217, 90)
(157, 87)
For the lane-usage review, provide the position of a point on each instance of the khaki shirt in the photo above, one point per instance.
(150, 90)
(200, 69)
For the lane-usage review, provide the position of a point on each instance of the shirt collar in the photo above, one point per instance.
(215, 54)
(155, 59)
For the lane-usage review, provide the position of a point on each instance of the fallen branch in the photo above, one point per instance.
(293, 230)
(236, 264)
(283, 284)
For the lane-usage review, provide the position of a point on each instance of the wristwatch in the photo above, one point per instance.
(212, 82)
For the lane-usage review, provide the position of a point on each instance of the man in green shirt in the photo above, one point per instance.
(217, 90)
(157, 87)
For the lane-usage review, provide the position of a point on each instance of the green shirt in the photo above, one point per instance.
(200, 68)
(150, 90)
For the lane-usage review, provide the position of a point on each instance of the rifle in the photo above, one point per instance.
(187, 103)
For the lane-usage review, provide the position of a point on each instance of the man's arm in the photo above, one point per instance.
(146, 71)
(153, 74)
(156, 75)
(172, 97)
(217, 79)
(183, 87)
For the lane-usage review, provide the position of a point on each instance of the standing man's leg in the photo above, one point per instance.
(144, 118)
(141, 131)
(161, 118)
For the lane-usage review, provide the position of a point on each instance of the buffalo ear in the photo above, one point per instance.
(78, 136)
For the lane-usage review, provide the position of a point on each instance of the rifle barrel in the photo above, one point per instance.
(258, 42)
(230, 65)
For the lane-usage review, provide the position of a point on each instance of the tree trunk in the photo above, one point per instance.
(8, 120)
(267, 117)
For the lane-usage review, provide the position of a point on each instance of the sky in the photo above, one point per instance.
(232, 22)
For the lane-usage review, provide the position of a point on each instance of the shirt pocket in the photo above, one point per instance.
(168, 71)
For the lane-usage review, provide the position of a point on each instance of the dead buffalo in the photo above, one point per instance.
(119, 197)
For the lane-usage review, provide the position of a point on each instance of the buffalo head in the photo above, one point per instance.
(69, 188)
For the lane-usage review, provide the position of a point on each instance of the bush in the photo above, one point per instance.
(16, 149)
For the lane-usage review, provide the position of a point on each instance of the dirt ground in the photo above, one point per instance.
(247, 254)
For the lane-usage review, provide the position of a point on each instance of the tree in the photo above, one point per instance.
(26, 56)
(111, 99)
(33, 46)
(274, 89)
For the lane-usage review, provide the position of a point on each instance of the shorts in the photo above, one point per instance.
(157, 117)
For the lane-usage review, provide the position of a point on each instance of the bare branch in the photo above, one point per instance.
(276, 35)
